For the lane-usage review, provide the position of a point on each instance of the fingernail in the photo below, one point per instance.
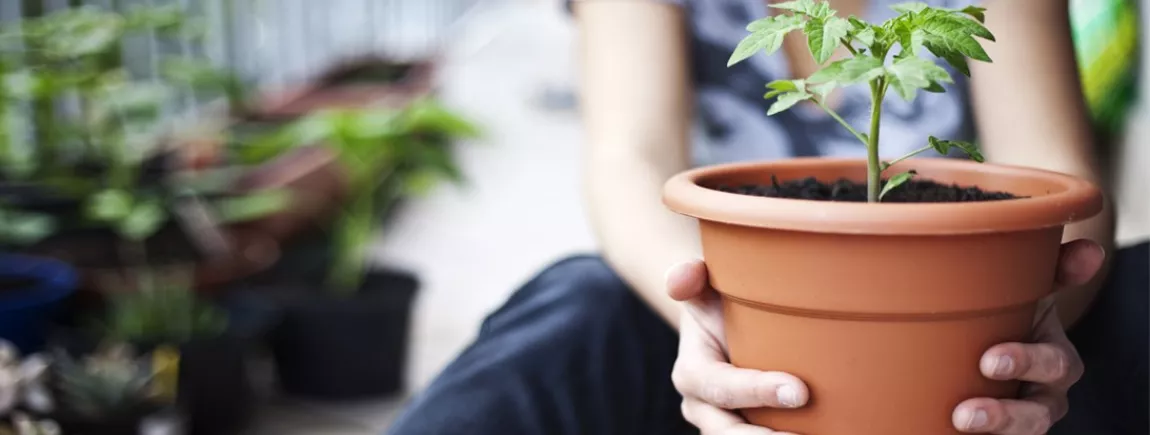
(1003, 366)
(972, 420)
(788, 396)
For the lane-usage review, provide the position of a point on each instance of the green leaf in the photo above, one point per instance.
(865, 36)
(428, 116)
(824, 36)
(766, 35)
(824, 89)
(910, 38)
(976, 12)
(943, 147)
(782, 86)
(252, 206)
(894, 182)
(144, 220)
(940, 146)
(26, 228)
(908, 75)
(849, 71)
(812, 8)
(788, 100)
(952, 37)
(910, 7)
(110, 205)
(161, 18)
(81, 32)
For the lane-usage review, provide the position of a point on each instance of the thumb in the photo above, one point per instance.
(687, 280)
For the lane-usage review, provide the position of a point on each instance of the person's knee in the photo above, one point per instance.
(585, 282)
(573, 291)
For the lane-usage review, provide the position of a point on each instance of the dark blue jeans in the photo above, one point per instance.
(574, 351)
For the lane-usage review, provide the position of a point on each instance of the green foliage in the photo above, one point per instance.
(387, 154)
(163, 310)
(949, 34)
(21, 228)
(71, 56)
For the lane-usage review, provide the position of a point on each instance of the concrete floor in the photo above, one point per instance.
(522, 208)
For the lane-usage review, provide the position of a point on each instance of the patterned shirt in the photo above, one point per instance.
(733, 124)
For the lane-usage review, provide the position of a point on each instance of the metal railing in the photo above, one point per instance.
(281, 41)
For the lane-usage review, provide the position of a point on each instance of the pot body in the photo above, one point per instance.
(352, 347)
(32, 292)
(884, 310)
(861, 317)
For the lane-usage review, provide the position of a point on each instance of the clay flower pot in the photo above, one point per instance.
(862, 301)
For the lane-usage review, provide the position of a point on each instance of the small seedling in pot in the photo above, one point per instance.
(949, 34)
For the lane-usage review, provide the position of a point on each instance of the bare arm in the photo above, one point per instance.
(1030, 112)
(636, 112)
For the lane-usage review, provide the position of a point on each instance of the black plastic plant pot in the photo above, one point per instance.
(215, 389)
(343, 347)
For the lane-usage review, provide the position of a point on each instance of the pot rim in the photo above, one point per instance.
(1077, 200)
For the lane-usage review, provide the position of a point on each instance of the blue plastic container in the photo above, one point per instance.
(31, 289)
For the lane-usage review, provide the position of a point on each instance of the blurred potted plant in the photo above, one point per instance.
(111, 391)
(106, 171)
(164, 315)
(349, 338)
(22, 385)
(31, 291)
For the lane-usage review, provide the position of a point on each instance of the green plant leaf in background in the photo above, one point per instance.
(143, 221)
(23, 228)
(109, 205)
(79, 32)
(251, 206)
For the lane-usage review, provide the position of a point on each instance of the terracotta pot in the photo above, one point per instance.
(883, 309)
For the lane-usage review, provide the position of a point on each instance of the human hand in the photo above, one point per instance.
(711, 387)
(1049, 366)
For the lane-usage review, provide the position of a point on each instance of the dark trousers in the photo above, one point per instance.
(574, 351)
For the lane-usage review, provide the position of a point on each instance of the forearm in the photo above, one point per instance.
(637, 235)
(635, 100)
(1039, 119)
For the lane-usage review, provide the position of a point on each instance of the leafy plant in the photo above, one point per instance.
(949, 34)
(110, 382)
(163, 310)
(97, 153)
(387, 154)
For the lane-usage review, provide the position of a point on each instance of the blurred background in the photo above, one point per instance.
(294, 213)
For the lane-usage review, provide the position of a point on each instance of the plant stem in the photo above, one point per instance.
(874, 166)
(847, 44)
(862, 138)
(907, 156)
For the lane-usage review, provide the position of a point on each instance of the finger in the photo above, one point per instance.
(1079, 261)
(714, 421)
(687, 280)
(1009, 417)
(1041, 363)
(727, 387)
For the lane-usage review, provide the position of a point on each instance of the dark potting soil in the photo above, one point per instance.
(850, 191)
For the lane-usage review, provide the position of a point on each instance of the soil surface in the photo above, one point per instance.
(850, 191)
